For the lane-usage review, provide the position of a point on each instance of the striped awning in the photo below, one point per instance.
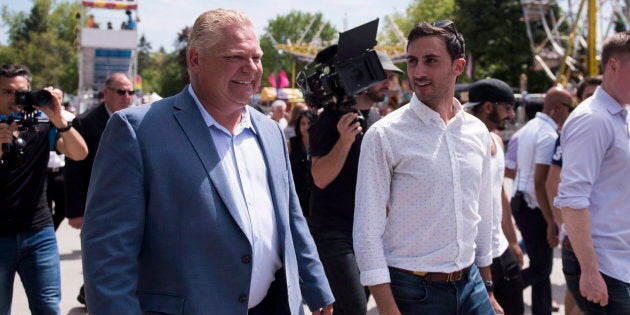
(111, 4)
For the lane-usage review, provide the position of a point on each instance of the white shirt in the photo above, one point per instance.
(246, 172)
(595, 169)
(434, 178)
(497, 162)
(536, 144)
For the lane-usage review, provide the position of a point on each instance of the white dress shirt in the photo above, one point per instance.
(536, 144)
(244, 164)
(434, 177)
(497, 162)
(595, 169)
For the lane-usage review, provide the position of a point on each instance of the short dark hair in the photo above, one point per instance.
(587, 81)
(12, 71)
(454, 41)
(616, 44)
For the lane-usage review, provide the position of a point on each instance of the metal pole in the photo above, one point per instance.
(592, 38)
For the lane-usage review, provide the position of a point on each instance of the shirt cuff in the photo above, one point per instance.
(573, 203)
(483, 261)
(375, 276)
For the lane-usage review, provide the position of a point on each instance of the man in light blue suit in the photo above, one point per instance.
(191, 207)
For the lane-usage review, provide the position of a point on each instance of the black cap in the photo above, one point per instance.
(489, 90)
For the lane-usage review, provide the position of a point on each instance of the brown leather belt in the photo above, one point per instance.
(438, 276)
(566, 244)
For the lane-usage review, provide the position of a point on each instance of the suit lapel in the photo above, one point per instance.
(190, 120)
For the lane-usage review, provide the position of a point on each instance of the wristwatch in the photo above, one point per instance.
(66, 128)
(489, 286)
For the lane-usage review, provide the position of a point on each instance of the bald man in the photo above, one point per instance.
(530, 205)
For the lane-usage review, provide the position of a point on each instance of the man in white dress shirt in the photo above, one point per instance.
(423, 213)
(593, 193)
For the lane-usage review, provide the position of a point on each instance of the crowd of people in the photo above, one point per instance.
(199, 203)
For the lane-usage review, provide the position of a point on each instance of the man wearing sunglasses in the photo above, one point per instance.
(118, 94)
(492, 101)
(423, 213)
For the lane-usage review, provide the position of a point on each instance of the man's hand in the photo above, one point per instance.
(6, 134)
(53, 110)
(326, 310)
(552, 235)
(349, 128)
(517, 252)
(76, 223)
(495, 305)
(593, 288)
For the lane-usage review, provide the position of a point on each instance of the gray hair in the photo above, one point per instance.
(207, 30)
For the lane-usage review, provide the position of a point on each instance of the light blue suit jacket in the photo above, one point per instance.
(159, 231)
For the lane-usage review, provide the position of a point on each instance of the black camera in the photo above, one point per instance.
(27, 99)
(341, 71)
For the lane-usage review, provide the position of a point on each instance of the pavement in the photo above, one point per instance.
(72, 278)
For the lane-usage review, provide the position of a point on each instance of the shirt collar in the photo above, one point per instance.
(209, 120)
(426, 114)
(610, 104)
(544, 117)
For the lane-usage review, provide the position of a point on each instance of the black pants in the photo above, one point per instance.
(508, 283)
(55, 193)
(337, 256)
(276, 302)
(533, 228)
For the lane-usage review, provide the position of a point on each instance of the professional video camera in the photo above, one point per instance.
(341, 71)
(27, 119)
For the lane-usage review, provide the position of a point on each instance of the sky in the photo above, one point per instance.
(161, 20)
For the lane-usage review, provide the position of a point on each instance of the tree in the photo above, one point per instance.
(45, 41)
(496, 38)
(292, 28)
(425, 11)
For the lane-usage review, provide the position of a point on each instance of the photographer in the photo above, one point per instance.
(335, 143)
(27, 237)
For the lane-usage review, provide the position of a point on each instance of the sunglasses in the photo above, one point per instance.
(122, 92)
(445, 24)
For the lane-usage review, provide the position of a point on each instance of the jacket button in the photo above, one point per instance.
(246, 259)
(242, 298)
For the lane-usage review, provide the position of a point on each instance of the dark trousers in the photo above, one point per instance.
(55, 193)
(276, 302)
(533, 228)
(618, 291)
(508, 283)
(337, 256)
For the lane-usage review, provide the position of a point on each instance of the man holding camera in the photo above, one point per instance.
(335, 143)
(27, 239)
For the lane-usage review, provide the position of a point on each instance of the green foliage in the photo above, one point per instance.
(163, 73)
(289, 29)
(496, 37)
(45, 41)
(425, 11)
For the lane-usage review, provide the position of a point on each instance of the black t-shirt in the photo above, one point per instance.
(301, 168)
(333, 206)
(556, 159)
(23, 204)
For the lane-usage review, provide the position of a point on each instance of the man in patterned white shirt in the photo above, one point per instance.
(423, 213)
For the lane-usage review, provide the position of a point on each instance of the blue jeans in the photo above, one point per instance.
(415, 295)
(618, 291)
(35, 257)
(337, 256)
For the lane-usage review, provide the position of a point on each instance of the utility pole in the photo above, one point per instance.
(592, 68)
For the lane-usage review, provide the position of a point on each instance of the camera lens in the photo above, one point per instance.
(41, 98)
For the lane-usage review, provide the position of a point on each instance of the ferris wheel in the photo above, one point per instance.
(567, 47)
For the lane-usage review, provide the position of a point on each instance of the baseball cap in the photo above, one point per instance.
(387, 63)
(489, 90)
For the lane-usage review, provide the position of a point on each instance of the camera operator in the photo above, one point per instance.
(27, 237)
(335, 143)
